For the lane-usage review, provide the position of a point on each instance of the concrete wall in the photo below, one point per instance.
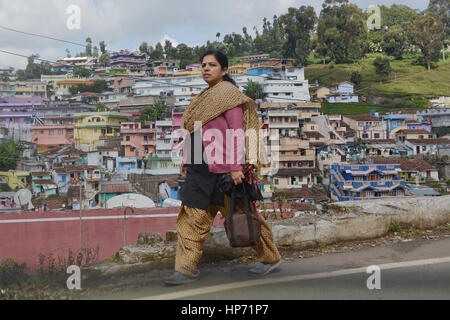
(25, 235)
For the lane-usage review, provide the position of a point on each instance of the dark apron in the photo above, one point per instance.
(201, 187)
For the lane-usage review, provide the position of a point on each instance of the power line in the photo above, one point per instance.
(42, 36)
(24, 56)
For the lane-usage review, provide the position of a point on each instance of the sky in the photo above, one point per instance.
(125, 24)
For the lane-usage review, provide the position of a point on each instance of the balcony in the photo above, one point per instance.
(283, 125)
(296, 157)
(93, 177)
(149, 143)
(163, 146)
(137, 130)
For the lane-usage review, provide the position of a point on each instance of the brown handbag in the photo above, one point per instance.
(243, 229)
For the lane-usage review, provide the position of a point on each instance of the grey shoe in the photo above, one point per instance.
(178, 278)
(261, 268)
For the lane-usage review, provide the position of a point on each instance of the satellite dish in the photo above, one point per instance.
(164, 190)
(23, 197)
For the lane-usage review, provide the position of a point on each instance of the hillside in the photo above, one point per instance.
(406, 79)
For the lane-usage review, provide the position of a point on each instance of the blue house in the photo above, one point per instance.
(62, 179)
(42, 183)
(394, 122)
(259, 71)
(126, 163)
(364, 181)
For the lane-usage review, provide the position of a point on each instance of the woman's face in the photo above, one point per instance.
(212, 70)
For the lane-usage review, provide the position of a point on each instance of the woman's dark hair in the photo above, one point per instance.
(223, 61)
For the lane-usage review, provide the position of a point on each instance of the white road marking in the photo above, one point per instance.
(251, 283)
(90, 218)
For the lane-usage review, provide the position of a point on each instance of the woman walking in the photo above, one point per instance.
(218, 112)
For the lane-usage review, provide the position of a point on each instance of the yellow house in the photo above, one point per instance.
(14, 179)
(186, 73)
(239, 68)
(412, 134)
(306, 110)
(90, 126)
(63, 86)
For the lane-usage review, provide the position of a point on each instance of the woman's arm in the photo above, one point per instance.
(235, 120)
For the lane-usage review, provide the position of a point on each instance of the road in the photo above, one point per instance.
(418, 269)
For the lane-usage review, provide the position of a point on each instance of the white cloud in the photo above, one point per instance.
(174, 42)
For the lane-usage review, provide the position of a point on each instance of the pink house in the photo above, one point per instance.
(176, 120)
(52, 135)
(138, 141)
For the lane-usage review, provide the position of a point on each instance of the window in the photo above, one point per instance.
(376, 135)
(276, 181)
(60, 132)
(365, 135)
(50, 132)
(41, 131)
(127, 138)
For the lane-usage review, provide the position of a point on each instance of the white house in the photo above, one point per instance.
(428, 146)
(290, 85)
(342, 92)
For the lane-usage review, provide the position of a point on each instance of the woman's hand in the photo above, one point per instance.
(237, 176)
(183, 171)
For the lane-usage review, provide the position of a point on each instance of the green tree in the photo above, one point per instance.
(100, 107)
(102, 47)
(156, 111)
(143, 48)
(298, 25)
(169, 50)
(81, 72)
(428, 32)
(382, 67)
(4, 77)
(374, 41)
(104, 59)
(88, 51)
(254, 90)
(98, 86)
(395, 42)
(442, 9)
(186, 55)
(33, 70)
(158, 52)
(356, 77)
(397, 15)
(341, 31)
(95, 52)
(9, 154)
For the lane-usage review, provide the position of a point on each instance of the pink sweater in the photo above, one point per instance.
(218, 135)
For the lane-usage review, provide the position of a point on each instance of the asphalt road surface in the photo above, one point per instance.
(418, 269)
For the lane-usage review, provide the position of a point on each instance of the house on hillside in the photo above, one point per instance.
(342, 92)
(365, 181)
(413, 170)
(428, 146)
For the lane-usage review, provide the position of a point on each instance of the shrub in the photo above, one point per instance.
(11, 271)
(395, 226)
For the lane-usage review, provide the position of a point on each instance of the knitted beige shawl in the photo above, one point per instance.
(214, 101)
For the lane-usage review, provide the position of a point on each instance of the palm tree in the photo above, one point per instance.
(218, 36)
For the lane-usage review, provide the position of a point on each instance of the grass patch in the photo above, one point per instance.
(352, 108)
(407, 78)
